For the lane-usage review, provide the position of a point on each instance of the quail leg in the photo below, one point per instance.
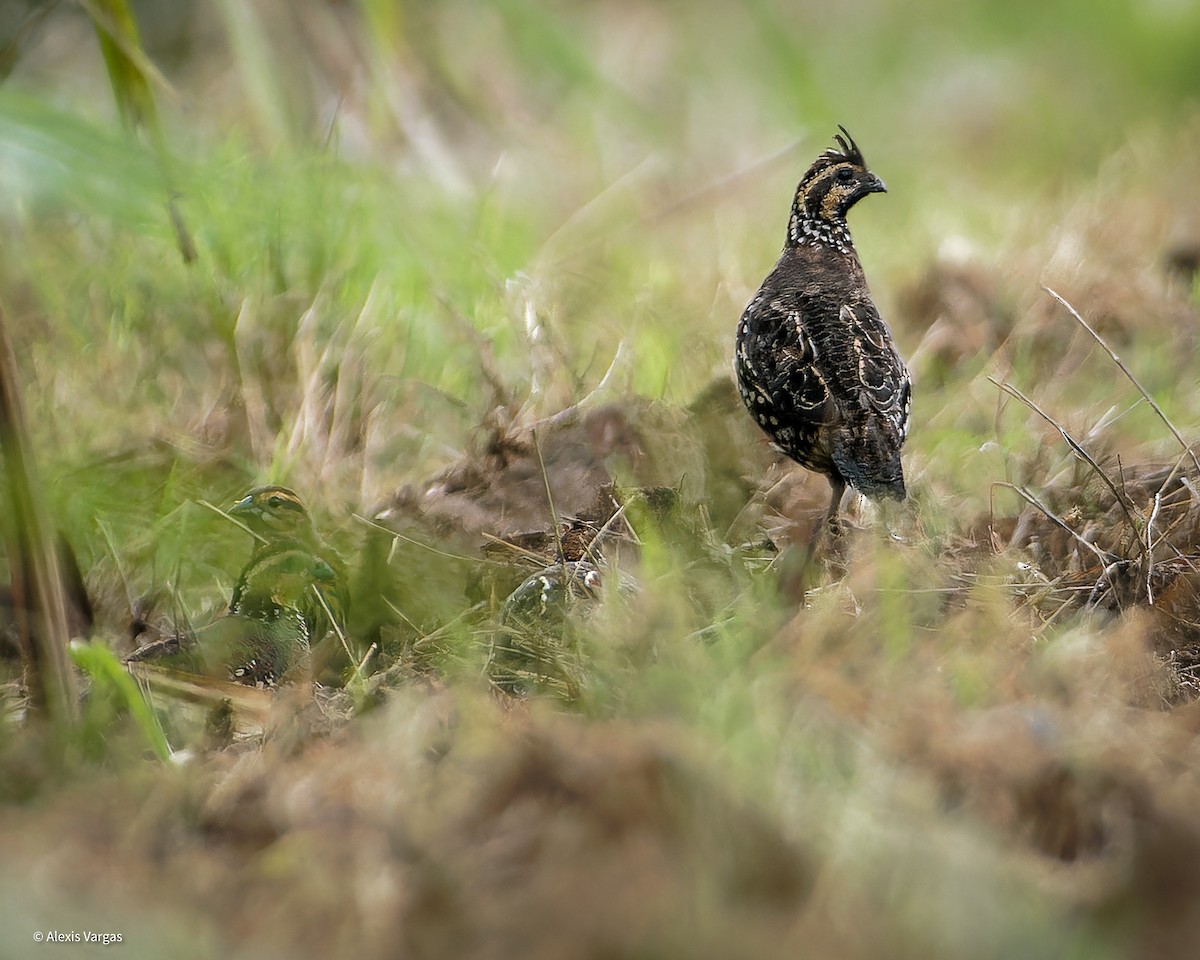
(828, 523)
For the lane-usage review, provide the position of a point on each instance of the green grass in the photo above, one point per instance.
(386, 202)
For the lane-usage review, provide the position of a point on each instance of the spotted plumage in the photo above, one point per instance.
(815, 362)
(549, 592)
(265, 637)
(536, 644)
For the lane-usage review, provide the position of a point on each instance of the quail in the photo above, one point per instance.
(534, 645)
(815, 362)
(279, 518)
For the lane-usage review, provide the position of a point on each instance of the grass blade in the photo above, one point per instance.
(130, 72)
(99, 663)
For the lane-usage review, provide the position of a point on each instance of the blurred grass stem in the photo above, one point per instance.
(130, 72)
(39, 604)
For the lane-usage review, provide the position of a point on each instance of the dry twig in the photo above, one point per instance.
(1077, 448)
(1128, 373)
(1103, 556)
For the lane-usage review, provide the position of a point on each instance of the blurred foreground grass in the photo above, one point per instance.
(415, 223)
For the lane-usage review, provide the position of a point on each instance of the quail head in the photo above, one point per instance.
(275, 513)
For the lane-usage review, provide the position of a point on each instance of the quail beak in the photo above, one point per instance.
(877, 186)
(244, 507)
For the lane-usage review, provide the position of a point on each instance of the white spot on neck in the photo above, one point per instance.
(808, 231)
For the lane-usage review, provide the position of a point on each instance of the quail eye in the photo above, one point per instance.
(274, 501)
(845, 174)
